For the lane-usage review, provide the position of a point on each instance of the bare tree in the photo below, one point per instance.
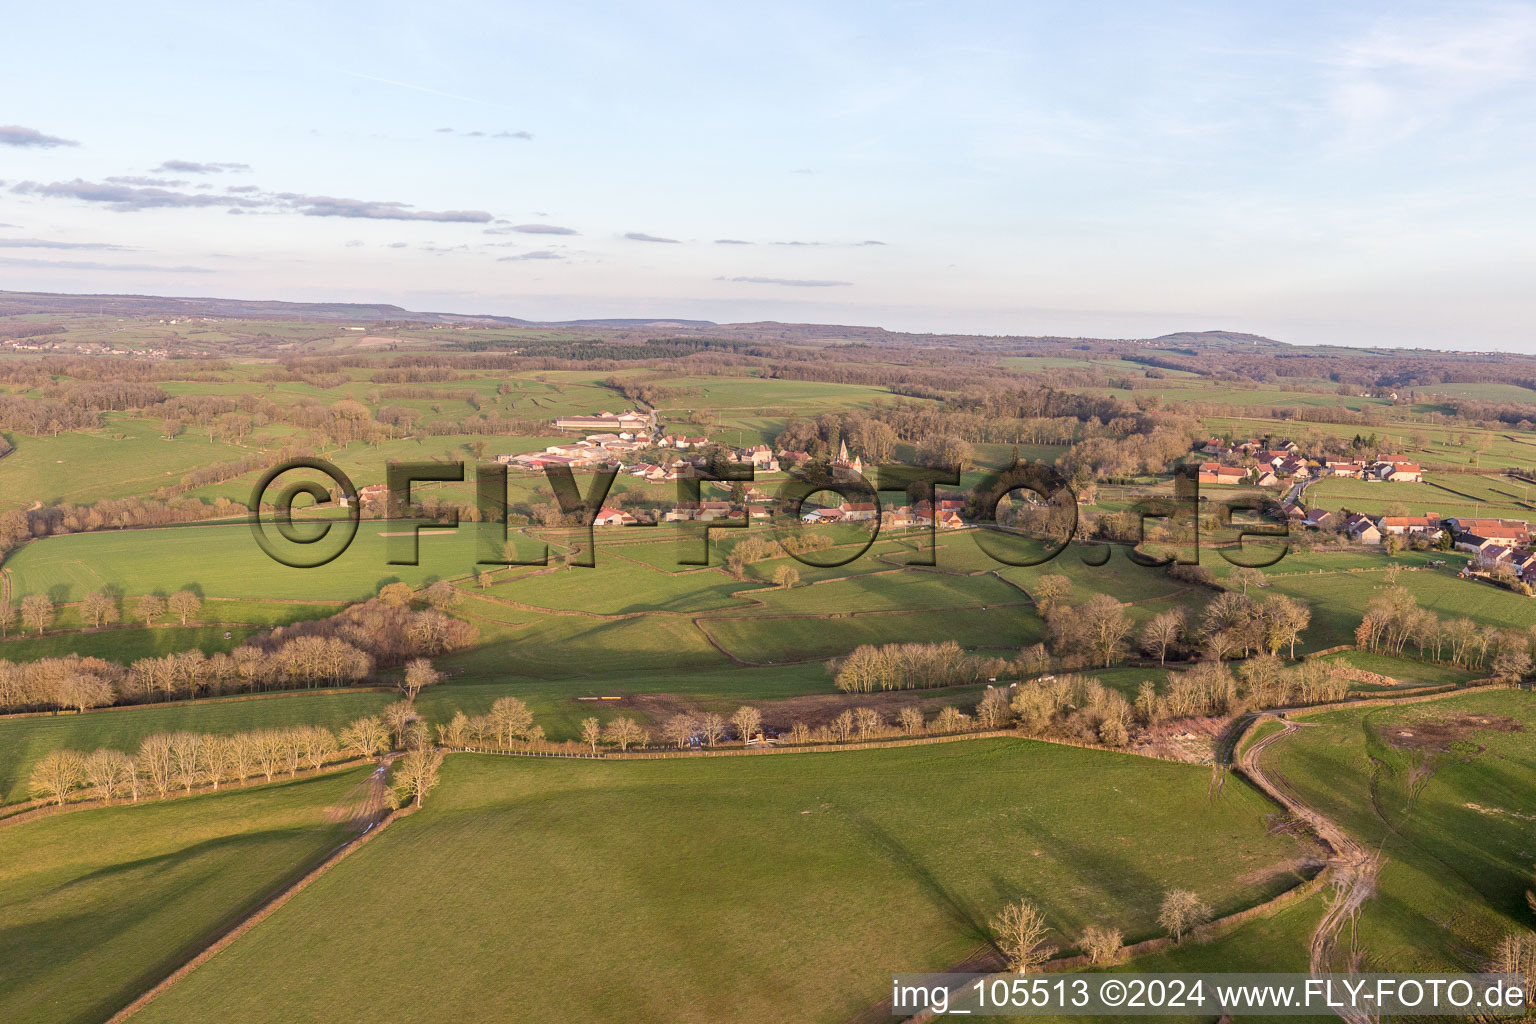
(442, 595)
(419, 674)
(109, 772)
(484, 579)
(512, 720)
(368, 736)
(679, 729)
(1516, 954)
(786, 577)
(1050, 591)
(36, 612)
(747, 720)
(415, 776)
(591, 732)
(396, 717)
(1181, 911)
(624, 732)
(151, 607)
(1020, 929)
(712, 727)
(911, 719)
(57, 774)
(1161, 633)
(100, 608)
(1100, 944)
(1106, 626)
(184, 604)
(1244, 577)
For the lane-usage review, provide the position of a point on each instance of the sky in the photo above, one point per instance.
(1355, 173)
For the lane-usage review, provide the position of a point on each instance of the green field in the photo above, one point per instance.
(97, 906)
(1447, 791)
(624, 887)
(226, 561)
(23, 740)
(128, 456)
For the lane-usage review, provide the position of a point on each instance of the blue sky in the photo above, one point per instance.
(1358, 174)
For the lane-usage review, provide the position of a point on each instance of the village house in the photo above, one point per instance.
(1513, 532)
(1319, 519)
(1362, 529)
(1215, 473)
(613, 517)
(1427, 526)
(761, 457)
(1398, 472)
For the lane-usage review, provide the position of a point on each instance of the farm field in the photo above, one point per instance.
(1445, 789)
(98, 905)
(658, 870)
(1339, 600)
(1444, 495)
(129, 456)
(25, 739)
(225, 561)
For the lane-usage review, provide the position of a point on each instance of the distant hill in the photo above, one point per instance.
(14, 303)
(1208, 339)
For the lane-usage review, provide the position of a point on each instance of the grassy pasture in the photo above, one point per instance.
(126, 457)
(1339, 600)
(791, 869)
(225, 561)
(97, 906)
(128, 643)
(1447, 795)
(619, 587)
(24, 740)
(764, 640)
(1406, 670)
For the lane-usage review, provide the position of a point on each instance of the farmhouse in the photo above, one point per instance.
(1513, 532)
(1214, 473)
(1319, 519)
(612, 517)
(1362, 529)
(761, 457)
(1401, 472)
(1426, 525)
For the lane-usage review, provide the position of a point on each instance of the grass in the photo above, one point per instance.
(126, 457)
(734, 888)
(97, 906)
(226, 561)
(1405, 670)
(126, 644)
(24, 740)
(1338, 601)
(762, 640)
(1446, 816)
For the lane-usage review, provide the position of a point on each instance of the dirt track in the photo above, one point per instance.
(1353, 867)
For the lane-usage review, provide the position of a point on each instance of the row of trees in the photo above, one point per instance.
(869, 668)
(1020, 930)
(1393, 621)
(342, 650)
(38, 612)
(182, 761)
